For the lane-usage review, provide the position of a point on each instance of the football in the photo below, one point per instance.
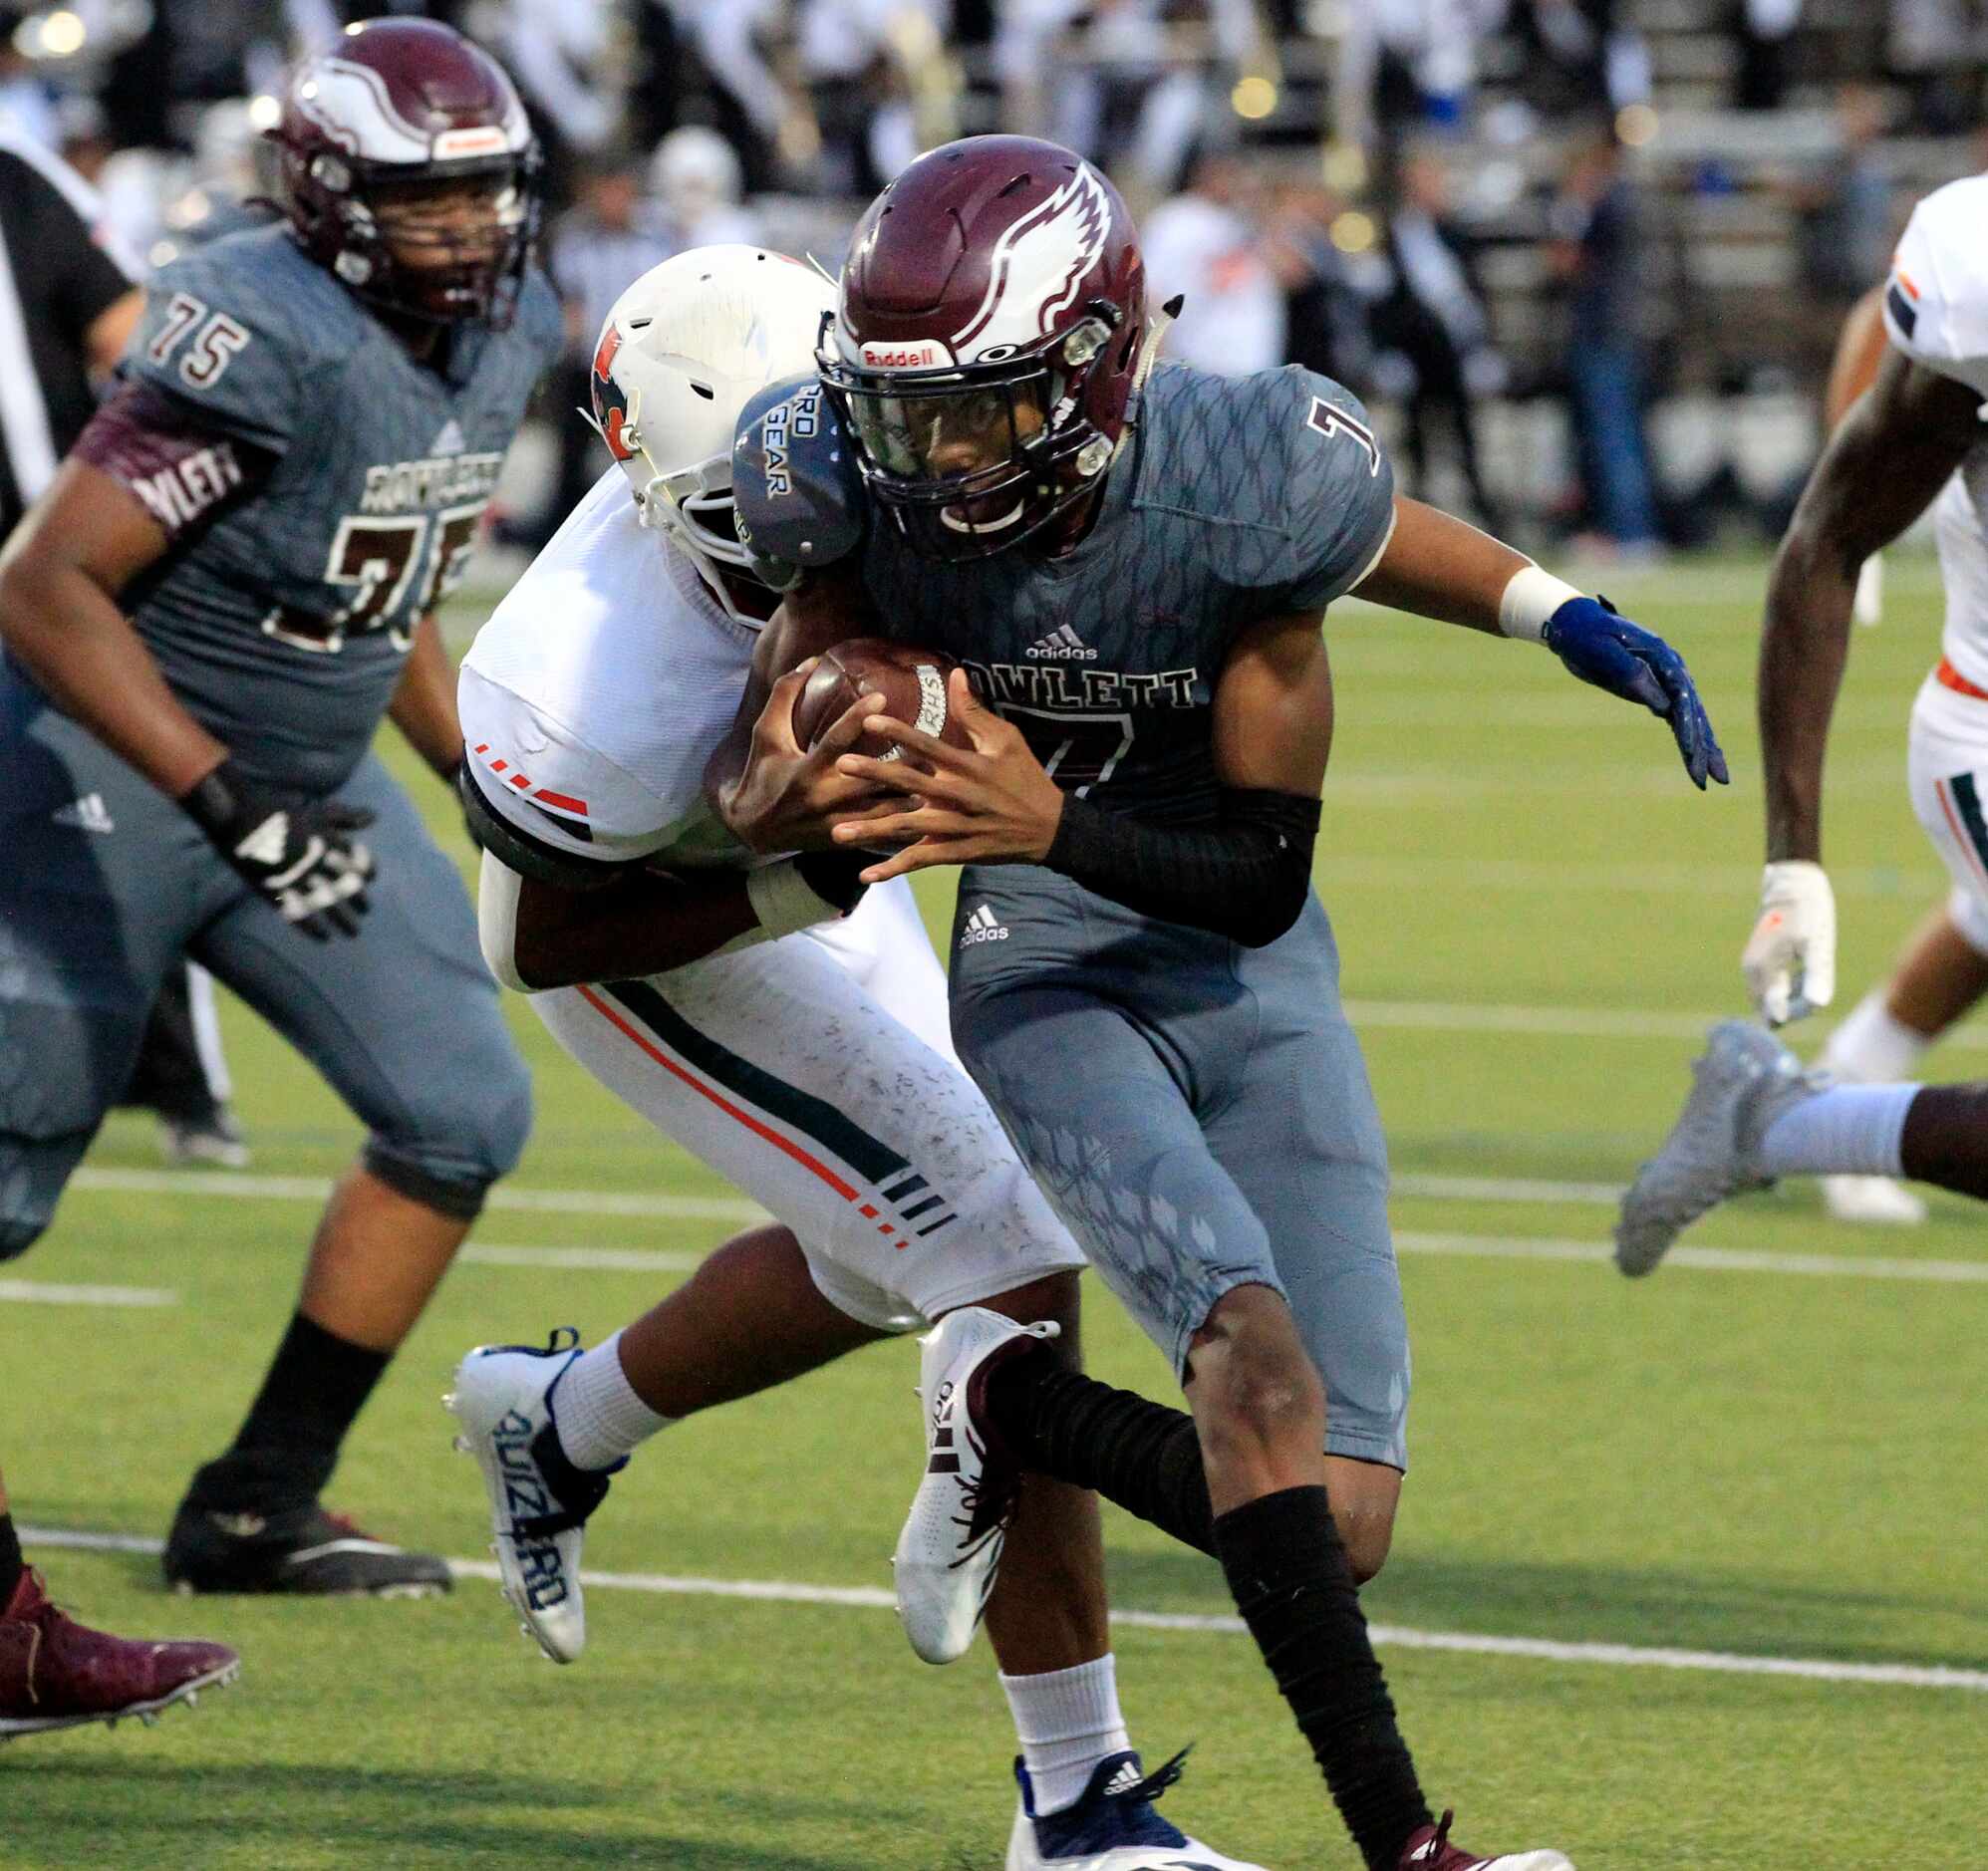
(911, 680)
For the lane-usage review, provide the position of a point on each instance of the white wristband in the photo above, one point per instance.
(1530, 599)
(783, 899)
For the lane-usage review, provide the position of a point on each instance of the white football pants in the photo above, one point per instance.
(817, 1074)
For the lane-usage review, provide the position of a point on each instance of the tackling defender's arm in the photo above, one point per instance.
(581, 895)
(637, 921)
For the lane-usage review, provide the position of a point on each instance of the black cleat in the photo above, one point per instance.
(295, 1549)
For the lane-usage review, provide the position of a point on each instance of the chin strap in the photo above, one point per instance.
(1149, 354)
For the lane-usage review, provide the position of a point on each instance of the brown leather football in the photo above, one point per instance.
(911, 680)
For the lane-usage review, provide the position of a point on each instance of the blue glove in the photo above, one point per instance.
(1603, 648)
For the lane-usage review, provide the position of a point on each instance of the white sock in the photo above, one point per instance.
(1845, 1130)
(600, 1417)
(1067, 1721)
(1873, 1048)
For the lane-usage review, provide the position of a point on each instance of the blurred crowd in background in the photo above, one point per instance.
(1585, 259)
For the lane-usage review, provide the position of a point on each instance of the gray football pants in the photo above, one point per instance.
(1199, 1117)
(105, 883)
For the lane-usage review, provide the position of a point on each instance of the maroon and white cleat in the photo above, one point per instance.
(1429, 1849)
(58, 1674)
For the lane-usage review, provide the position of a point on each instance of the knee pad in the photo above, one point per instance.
(33, 1170)
(448, 1157)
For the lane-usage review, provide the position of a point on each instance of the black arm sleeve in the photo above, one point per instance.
(1244, 876)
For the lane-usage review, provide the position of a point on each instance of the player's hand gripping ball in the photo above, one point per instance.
(911, 680)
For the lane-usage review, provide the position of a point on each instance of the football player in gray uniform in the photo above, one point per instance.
(229, 582)
(1133, 567)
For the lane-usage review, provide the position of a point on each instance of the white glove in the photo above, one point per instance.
(1790, 959)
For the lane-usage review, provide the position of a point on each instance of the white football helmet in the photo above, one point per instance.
(693, 172)
(682, 352)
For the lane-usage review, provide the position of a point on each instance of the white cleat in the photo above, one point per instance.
(1878, 1199)
(1744, 1080)
(1113, 1827)
(950, 1548)
(539, 1501)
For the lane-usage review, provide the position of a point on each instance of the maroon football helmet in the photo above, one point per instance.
(991, 333)
(411, 171)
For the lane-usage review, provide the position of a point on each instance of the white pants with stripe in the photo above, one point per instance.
(1949, 765)
(816, 1074)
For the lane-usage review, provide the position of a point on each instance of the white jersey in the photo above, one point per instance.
(599, 688)
(816, 1072)
(1937, 313)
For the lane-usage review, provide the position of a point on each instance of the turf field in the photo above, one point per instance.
(1778, 1453)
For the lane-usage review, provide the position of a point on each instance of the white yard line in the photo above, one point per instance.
(581, 1259)
(1505, 1188)
(704, 1209)
(1701, 1259)
(1483, 1016)
(1399, 1636)
(1741, 881)
(38, 1293)
(240, 1186)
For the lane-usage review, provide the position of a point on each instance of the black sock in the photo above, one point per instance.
(1136, 1453)
(287, 1445)
(1292, 1584)
(12, 1564)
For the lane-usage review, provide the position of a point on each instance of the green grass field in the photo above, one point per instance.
(1535, 913)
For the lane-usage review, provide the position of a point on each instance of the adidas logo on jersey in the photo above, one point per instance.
(450, 441)
(1064, 644)
(87, 814)
(982, 928)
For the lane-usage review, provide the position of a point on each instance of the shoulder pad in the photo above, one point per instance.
(548, 783)
(797, 495)
(230, 328)
(1936, 300)
(1294, 458)
(525, 852)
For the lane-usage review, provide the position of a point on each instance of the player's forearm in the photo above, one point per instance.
(1246, 876)
(642, 923)
(537, 935)
(423, 706)
(71, 636)
(1803, 649)
(1437, 566)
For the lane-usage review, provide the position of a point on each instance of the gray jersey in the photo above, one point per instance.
(339, 503)
(1236, 499)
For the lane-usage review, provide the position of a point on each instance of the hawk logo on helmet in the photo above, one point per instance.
(1046, 257)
